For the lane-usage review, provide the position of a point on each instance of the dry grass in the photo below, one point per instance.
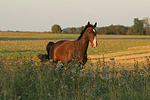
(128, 57)
(35, 35)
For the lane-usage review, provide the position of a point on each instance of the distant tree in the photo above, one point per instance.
(65, 32)
(124, 30)
(56, 28)
(128, 32)
(73, 30)
(81, 28)
(113, 30)
(138, 27)
(118, 30)
(147, 25)
(102, 30)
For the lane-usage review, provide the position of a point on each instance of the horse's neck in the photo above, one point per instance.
(83, 44)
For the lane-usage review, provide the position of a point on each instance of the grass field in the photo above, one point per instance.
(24, 77)
(108, 45)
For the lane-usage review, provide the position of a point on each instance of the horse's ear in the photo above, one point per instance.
(88, 23)
(95, 24)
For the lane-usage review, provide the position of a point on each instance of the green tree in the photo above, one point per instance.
(56, 29)
(81, 28)
(147, 25)
(101, 30)
(138, 27)
(73, 30)
(113, 30)
(117, 29)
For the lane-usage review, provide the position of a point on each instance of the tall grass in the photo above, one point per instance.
(28, 79)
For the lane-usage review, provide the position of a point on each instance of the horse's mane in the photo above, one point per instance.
(82, 32)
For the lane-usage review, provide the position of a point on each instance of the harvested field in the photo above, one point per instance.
(126, 58)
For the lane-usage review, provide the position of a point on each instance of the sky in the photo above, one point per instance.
(41, 15)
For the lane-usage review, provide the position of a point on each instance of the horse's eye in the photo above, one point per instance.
(90, 32)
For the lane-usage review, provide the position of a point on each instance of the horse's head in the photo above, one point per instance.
(91, 32)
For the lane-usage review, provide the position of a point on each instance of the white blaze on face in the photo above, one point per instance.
(94, 42)
(94, 30)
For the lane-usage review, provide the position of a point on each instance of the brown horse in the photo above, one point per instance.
(65, 51)
(45, 57)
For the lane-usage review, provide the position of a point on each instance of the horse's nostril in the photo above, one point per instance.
(94, 45)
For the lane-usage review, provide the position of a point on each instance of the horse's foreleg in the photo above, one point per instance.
(82, 63)
(55, 63)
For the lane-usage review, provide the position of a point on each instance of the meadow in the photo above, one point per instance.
(125, 48)
(23, 76)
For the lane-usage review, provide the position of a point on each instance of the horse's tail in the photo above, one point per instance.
(48, 47)
(45, 57)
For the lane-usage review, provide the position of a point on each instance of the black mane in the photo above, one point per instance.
(81, 34)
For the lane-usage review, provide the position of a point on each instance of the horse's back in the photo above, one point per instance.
(63, 44)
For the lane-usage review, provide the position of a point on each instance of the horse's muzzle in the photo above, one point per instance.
(94, 45)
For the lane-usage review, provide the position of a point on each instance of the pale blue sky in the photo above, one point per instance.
(40, 15)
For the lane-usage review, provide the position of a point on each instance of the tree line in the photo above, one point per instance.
(140, 27)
